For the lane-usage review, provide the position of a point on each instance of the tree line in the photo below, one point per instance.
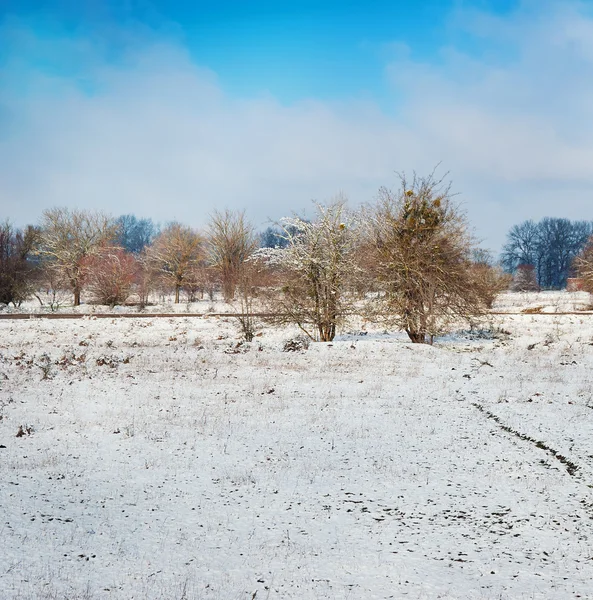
(547, 249)
(408, 261)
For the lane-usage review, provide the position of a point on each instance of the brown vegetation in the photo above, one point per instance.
(69, 238)
(111, 275)
(231, 241)
(583, 265)
(420, 251)
(176, 256)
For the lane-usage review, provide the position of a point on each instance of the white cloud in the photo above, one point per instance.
(159, 137)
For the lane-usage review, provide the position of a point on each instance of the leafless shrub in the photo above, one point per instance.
(52, 289)
(111, 274)
(143, 279)
(489, 279)
(253, 280)
(583, 265)
(231, 241)
(525, 279)
(175, 255)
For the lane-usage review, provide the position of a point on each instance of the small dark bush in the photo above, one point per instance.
(297, 344)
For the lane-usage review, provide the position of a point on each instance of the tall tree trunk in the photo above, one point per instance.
(177, 287)
(77, 295)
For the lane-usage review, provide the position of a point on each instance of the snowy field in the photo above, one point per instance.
(158, 459)
(546, 302)
(158, 304)
(508, 302)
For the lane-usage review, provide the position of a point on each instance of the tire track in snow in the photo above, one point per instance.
(571, 467)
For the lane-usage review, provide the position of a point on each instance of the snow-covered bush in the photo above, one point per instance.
(316, 270)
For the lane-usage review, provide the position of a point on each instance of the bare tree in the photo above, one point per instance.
(316, 270)
(522, 246)
(254, 279)
(561, 240)
(525, 279)
(68, 238)
(144, 278)
(583, 265)
(550, 246)
(422, 252)
(175, 255)
(231, 241)
(52, 289)
(134, 234)
(16, 268)
(489, 278)
(111, 275)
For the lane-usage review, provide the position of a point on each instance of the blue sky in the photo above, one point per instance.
(292, 50)
(169, 109)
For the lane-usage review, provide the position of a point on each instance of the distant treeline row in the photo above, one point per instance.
(550, 246)
(408, 260)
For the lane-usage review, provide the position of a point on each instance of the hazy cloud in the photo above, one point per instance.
(155, 134)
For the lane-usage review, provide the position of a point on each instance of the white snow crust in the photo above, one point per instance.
(159, 459)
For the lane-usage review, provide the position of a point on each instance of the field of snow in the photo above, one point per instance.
(507, 302)
(546, 302)
(158, 304)
(161, 459)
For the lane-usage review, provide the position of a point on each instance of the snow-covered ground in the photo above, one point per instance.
(159, 459)
(158, 304)
(507, 302)
(546, 302)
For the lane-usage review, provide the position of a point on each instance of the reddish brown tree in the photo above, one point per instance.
(111, 273)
